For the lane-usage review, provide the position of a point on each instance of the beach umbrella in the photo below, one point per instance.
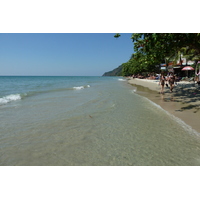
(187, 68)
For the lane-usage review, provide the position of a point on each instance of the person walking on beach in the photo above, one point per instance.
(162, 83)
(198, 75)
(171, 81)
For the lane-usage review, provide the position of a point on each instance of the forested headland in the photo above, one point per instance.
(115, 72)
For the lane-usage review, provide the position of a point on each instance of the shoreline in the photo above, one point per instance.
(183, 102)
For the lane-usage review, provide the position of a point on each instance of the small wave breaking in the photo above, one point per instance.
(81, 87)
(134, 90)
(9, 98)
(120, 79)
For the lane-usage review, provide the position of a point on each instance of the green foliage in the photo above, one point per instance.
(161, 45)
(151, 49)
(117, 35)
(116, 72)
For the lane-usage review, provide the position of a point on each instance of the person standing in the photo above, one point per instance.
(162, 83)
(171, 81)
(198, 75)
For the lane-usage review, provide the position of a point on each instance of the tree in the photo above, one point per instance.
(154, 48)
(117, 35)
(162, 45)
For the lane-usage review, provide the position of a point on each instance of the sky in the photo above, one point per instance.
(75, 38)
(63, 54)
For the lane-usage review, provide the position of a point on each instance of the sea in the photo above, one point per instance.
(88, 121)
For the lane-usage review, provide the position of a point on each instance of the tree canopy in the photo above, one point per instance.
(151, 49)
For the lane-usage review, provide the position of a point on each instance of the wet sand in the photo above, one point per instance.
(183, 102)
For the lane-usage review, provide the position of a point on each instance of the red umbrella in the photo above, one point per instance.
(187, 68)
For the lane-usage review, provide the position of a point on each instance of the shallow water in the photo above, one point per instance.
(88, 121)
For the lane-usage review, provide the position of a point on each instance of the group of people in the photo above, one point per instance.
(163, 81)
(171, 81)
(151, 76)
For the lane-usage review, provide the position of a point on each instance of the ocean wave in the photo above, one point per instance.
(14, 97)
(134, 90)
(81, 87)
(9, 98)
(120, 79)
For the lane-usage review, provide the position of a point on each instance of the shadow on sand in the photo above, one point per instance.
(187, 94)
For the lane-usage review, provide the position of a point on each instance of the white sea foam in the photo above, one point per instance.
(9, 98)
(81, 87)
(78, 88)
(120, 79)
(134, 90)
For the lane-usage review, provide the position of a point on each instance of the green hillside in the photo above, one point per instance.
(115, 72)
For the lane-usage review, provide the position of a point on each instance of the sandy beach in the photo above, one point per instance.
(183, 102)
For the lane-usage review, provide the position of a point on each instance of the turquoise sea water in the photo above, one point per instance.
(88, 121)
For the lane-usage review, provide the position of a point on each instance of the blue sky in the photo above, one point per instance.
(68, 54)
(46, 44)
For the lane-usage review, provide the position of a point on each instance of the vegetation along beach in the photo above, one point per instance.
(60, 108)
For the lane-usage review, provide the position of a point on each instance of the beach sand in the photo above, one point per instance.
(183, 102)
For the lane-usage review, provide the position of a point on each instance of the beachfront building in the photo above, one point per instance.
(178, 66)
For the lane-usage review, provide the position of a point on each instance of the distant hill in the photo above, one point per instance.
(115, 72)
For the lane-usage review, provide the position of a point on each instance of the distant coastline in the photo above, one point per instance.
(115, 72)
